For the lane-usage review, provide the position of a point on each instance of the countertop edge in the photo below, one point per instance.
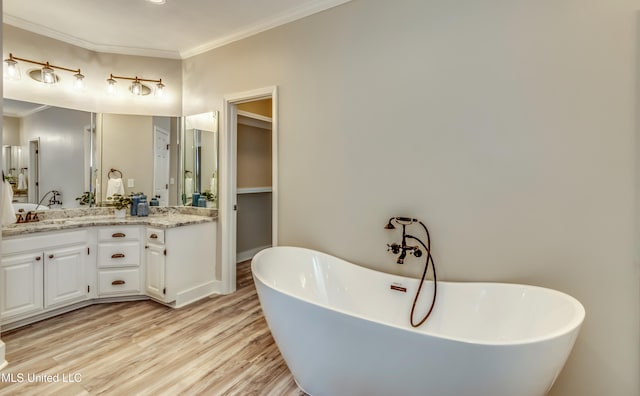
(157, 221)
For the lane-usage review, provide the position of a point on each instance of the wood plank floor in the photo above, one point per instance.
(217, 346)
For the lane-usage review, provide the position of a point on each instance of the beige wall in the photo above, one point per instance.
(10, 131)
(254, 157)
(126, 145)
(508, 127)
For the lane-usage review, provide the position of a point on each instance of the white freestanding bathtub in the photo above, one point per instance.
(343, 330)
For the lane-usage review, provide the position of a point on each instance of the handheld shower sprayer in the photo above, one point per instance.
(402, 248)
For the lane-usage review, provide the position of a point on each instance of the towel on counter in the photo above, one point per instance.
(188, 186)
(7, 215)
(115, 186)
(22, 181)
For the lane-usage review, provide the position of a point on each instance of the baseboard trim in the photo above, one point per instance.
(248, 254)
(197, 293)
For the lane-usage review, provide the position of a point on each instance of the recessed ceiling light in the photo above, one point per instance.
(158, 2)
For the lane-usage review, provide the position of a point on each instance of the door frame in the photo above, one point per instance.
(166, 165)
(228, 179)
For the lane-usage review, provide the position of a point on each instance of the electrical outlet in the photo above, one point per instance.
(130, 183)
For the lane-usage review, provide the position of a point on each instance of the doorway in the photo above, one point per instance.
(250, 195)
(161, 165)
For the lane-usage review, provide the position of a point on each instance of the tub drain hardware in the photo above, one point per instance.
(402, 249)
(398, 287)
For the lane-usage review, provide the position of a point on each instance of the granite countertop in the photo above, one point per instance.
(64, 219)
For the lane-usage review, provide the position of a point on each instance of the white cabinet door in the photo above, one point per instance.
(155, 271)
(21, 281)
(65, 278)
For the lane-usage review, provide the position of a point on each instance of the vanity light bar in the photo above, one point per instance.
(47, 73)
(136, 88)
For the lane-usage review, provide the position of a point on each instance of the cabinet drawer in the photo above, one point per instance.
(124, 254)
(118, 281)
(119, 234)
(155, 236)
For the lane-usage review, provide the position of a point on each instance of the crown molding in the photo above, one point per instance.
(289, 16)
(259, 27)
(73, 40)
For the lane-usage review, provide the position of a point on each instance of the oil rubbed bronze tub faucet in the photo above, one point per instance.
(402, 248)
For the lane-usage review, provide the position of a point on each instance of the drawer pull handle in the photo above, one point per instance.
(51, 256)
(153, 236)
(118, 235)
(118, 282)
(38, 258)
(117, 255)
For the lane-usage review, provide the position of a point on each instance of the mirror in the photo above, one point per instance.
(136, 153)
(200, 160)
(74, 151)
(46, 148)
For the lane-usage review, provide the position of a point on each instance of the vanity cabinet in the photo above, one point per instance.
(22, 278)
(65, 275)
(180, 263)
(119, 258)
(43, 272)
(155, 264)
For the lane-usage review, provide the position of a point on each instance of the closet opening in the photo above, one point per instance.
(248, 204)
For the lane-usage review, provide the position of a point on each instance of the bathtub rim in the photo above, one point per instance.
(573, 326)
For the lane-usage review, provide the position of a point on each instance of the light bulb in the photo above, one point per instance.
(48, 75)
(136, 87)
(12, 71)
(111, 85)
(159, 88)
(78, 84)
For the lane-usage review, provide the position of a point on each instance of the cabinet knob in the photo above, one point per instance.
(118, 282)
(153, 236)
(117, 255)
(38, 258)
(118, 235)
(51, 256)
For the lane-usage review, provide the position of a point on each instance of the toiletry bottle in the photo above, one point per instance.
(143, 206)
(135, 198)
(202, 202)
(154, 202)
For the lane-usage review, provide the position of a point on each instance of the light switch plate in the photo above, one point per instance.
(130, 183)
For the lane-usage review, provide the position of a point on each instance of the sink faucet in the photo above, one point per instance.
(52, 201)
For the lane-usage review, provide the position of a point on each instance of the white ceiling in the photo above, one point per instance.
(17, 108)
(177, 29)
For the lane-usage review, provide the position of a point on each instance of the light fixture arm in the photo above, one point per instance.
(44, 64)
(137, 88)
(112, 76)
